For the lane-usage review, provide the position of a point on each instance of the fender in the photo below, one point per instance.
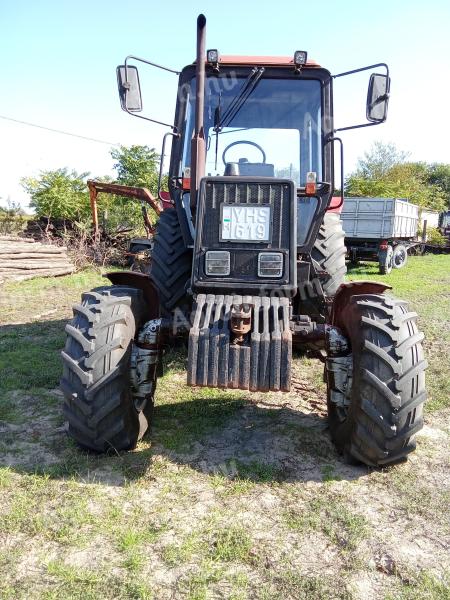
(353, 288)
(142, 282)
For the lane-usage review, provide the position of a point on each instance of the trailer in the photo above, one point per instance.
(382, 230)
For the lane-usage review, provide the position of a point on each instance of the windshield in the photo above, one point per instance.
(275, 131)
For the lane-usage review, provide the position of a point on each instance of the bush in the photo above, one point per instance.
(12, 219)
(434, 236)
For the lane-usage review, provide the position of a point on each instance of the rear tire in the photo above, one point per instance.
(329, 251)
(171, 263)
(96, 370)
(383, 410)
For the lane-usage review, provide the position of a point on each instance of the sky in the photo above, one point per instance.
(59, 62)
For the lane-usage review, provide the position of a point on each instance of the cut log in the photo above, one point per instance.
(36, 264)
(28, 255)
(30, 250)
(31, 247)
(22, 258)
(23, 276)
(15, 238)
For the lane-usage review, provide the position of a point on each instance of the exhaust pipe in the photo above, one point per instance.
(198, 144)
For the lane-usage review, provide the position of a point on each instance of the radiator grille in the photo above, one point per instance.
(217, 192)
(275, 195)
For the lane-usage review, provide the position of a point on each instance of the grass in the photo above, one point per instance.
(231, 544)
(228, 496)
(330, 515)
(421, 498)
(181, 418)
(423, 586)
(425, 283)
(71, 582)
(290, 584)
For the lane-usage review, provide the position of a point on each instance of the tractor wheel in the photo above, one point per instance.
(375, 420)
(329, 251)
(385, 260)
(171, 263)
(96, 370)
(400, 257)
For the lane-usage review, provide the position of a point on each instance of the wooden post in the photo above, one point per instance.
(93, 197)
(424, 231)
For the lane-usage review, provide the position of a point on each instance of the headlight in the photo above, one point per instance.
(217, 262)
(270, 264)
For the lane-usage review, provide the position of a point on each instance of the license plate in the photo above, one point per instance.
(244, 223)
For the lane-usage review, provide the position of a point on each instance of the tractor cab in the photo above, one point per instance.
(255, 116)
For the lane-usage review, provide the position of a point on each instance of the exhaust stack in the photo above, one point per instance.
(198, 144)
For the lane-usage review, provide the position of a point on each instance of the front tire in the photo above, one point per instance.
(96, 370)
(376, 420)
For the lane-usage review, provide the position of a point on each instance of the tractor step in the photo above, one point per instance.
(240, 342)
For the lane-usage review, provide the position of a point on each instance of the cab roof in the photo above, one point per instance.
(272, 61)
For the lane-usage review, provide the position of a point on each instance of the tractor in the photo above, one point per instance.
(248, 265)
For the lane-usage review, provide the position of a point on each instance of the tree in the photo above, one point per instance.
(439, 174)
(377, 162)
(384, 172)
(60, 194)
(137, 166)
(12, 218)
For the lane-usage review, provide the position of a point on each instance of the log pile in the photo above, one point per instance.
(22, 258)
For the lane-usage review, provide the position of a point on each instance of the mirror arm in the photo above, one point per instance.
(363, 69)
(355, 127)
(126, 86)
(161, 160)
(351, 73)
(174, 129)
(152, 64)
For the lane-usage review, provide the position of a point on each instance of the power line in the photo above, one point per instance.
(83, 137)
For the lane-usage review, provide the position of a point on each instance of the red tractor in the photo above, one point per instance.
(248, 262)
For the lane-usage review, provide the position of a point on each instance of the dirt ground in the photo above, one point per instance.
(232, 495)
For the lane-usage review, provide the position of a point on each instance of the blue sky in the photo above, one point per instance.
(59, 62)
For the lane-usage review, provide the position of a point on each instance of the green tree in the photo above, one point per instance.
(439, 174)
(60, 194)
(12, 218)
(377, 162)
(137, 166)
(384, 172)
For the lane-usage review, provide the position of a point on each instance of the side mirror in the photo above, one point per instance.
(129, 88)
(378, 98)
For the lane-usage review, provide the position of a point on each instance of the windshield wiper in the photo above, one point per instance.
(221, 121)
(239, 101)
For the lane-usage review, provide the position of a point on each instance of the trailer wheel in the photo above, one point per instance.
(375, 413)
(96, 370)
(329, 252)
(171, 263)
(400, 256)
(385, 260)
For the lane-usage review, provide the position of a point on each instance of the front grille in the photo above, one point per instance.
(268, 194)
(216, 192)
